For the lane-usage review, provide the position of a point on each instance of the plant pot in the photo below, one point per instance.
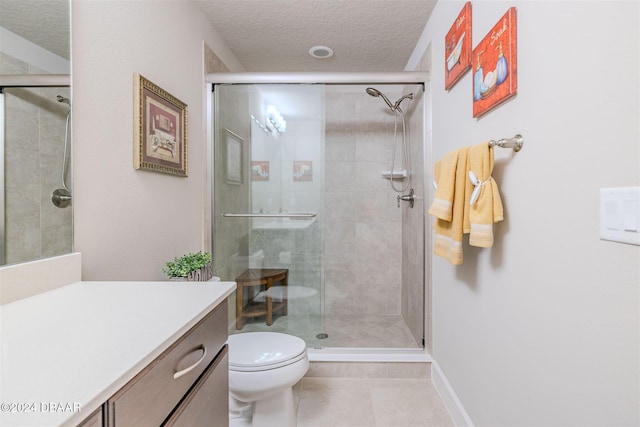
(201, 275)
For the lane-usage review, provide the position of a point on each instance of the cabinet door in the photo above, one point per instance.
(93, 420)
(207, 403)
(153, 394)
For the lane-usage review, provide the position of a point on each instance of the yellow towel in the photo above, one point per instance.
(448, 234)
(485, 208)
(445, 178)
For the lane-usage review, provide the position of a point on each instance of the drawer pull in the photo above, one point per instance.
(192, 367)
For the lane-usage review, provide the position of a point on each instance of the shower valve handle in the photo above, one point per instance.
(61, 197)
(407, 198)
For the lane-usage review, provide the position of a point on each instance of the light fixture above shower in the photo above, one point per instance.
(275, 119)
(260, 125)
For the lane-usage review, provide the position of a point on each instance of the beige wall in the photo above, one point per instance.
(128, 223)
(543, 328)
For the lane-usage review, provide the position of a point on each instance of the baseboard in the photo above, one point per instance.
(330, 354)
(449, 397)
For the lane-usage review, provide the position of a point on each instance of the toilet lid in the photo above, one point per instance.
(263, 350)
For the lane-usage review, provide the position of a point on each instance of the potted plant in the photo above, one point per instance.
(191, 267)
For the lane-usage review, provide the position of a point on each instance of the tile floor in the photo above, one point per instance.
(369, 395)
(363, 331)
(360, 394)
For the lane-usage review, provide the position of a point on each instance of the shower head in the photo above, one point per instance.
(64, 100)
(375, 93)
(394, 107)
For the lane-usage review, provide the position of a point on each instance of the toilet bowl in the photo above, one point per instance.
(263, 368)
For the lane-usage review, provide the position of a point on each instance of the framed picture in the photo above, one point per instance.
(495, 71)
(233, 147)
(259, 170)
(457, 48)
(160, 130)
(302, 171)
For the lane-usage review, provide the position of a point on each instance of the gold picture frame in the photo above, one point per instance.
(160, 129)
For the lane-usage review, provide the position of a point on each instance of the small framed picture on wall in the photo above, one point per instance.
(259, 170)
(160, 129)
(233, 147)
(302, 171)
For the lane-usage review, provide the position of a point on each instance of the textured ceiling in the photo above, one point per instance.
(43, 22)
(276, 35)
(270, 35)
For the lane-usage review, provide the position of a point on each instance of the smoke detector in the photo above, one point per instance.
(321, 52)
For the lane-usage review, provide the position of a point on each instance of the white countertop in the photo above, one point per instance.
(66, 351)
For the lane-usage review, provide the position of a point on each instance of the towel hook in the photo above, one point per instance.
(516, 143)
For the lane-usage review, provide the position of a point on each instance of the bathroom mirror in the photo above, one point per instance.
(36, 218)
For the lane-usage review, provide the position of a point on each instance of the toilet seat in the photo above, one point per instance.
(261, 351)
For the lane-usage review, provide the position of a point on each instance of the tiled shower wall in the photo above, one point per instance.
(34, 147)
(374, 251)
(363, 226)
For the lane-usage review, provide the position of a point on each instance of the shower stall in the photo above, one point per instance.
(35, 114)
(320, 177)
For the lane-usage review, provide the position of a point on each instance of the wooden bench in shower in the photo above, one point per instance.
(265, 278)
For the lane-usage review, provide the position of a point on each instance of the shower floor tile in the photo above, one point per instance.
(365, 331)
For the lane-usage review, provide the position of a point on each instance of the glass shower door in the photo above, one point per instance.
(301, 183)
(267, 205)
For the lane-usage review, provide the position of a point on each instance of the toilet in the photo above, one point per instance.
(263, 368)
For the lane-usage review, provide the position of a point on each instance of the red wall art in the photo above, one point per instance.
(259, 170)
(457, 48)
(302, 171)
(495, 72)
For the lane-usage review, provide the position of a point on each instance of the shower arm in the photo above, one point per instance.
(396, 106)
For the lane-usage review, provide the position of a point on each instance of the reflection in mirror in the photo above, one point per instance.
(35, 135)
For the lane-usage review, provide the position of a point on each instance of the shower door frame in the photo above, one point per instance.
(332, 78)
(404, 77)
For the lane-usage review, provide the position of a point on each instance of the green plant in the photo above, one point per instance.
(181, 267)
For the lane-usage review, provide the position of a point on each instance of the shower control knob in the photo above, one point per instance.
(61, 198)
(407, 198)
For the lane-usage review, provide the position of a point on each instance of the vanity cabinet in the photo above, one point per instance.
(158, 358)
(207, 404)
(93, 420)
(186, 383)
